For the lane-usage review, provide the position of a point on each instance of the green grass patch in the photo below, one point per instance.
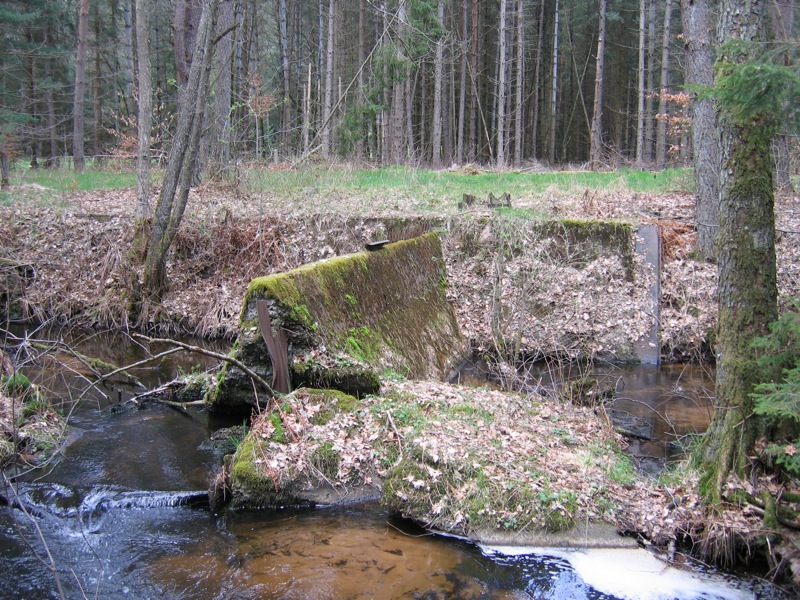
(433, 190)
(67, 180)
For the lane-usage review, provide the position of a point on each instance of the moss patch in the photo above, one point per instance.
(351, 317)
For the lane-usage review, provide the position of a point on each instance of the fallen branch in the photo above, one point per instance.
(223, 357)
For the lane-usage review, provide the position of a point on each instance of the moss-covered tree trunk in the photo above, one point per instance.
(747, 294)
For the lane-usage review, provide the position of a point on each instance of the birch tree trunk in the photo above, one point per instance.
(596, 133)
(79, 100)
(663, 105)
(705, 138)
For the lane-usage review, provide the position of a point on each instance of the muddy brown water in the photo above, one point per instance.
(119, 516)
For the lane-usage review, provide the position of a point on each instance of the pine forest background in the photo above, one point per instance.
(418, 82)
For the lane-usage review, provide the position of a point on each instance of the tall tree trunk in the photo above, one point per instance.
(705, 141)
(219, 140)
(536, 80)
(127, 41)
(649, 118)
(79, 101)
(436, 138)
(663, 106)
(596, 134)
(473, 76)
(144, 86)
(54, 158)
(362, 59)
(286, 114)
(519, 104)
(554, 92)
(642, 91)
(97, 75)
(187, 15)
(182, 157)
(327, 106)
(501, 85)
(462, 94)
(747, 295)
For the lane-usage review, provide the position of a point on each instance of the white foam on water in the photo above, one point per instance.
(634, 574)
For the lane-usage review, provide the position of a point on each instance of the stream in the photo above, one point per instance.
(123, 514)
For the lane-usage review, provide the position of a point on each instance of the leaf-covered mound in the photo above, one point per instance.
(474, 462)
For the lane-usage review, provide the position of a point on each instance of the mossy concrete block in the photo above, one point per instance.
(349, 318)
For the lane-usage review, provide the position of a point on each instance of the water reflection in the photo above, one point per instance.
(112, 536)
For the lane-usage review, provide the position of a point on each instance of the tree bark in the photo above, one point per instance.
(649, 119)
(663, 106)
(472, 152)
(144, 85)
(536, 80)
(182, 158)
(286, 114)
(747, 295)
(436, 138)
(554, 92)
(642, 91)
(187, 15)
(327, 106)
(705, 139)
(519, 104)
(501, 85)
(79, 101)
(596, 134)
(462, 95)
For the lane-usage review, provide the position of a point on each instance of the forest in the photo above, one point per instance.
(417, 82)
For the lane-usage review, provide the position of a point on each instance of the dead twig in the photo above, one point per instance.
(198, 350)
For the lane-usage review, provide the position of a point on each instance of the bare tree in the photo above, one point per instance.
(661, 133)
(501, 85)
(554, 90)
(705, 141)
(144, 85)
(79, 101)
(642, 91)
(327, 105)
(436, 138)
(596, 133)
(519, 104)
(182, 157)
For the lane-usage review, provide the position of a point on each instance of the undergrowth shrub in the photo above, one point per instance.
(778, 397)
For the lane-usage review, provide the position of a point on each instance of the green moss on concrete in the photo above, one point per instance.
(384, 309)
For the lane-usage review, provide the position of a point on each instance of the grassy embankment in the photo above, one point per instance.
(385, 187)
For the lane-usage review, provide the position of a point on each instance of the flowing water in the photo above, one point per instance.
(123, 514)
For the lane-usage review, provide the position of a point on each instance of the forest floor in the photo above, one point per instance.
(79, 247)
